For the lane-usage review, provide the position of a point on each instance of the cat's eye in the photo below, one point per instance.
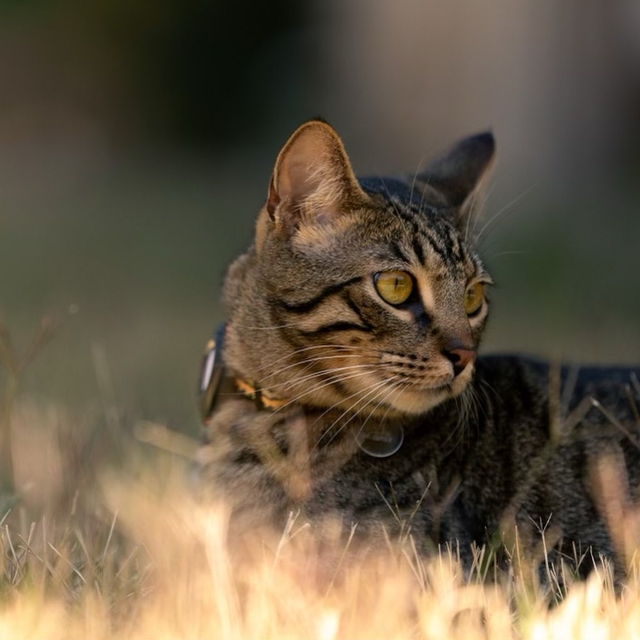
(394, 287)
(473, 298)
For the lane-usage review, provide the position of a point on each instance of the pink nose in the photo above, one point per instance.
(459, 357)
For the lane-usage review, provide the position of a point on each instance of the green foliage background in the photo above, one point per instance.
(136, 143)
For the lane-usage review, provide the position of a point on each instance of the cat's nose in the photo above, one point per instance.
(459, 357)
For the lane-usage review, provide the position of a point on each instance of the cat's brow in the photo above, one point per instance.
(334, 327)
(309, 305)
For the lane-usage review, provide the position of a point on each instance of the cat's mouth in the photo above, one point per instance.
(418, 396)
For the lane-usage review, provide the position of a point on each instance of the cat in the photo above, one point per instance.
(346, 381)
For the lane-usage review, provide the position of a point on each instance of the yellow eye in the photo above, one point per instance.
(473, 298)
(393, 286)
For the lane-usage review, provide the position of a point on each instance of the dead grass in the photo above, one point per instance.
(129, 553)
(101, 537)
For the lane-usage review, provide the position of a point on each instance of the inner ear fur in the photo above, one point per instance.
(458, 174)
(312, 180)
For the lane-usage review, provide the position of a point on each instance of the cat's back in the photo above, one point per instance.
(551, 427)
(563, 385)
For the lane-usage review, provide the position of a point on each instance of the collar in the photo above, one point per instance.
(262, 399)
(216, 385)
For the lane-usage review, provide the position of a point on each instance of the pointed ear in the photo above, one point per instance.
(312, 180)
(458, 174)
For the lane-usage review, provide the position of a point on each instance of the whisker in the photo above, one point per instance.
(393, 204)
(309, 361)
(272, 327)
(320, 346)
(506, 209)
(315, 374)
(394, 384)
(372, 388)
(488, 386)
(474, 404)
(331, 408)
(397, 386)
(415, 177)
(507, 253)
(472, 204)
(467, 405)
(334, 406)
(331, 381)
(321, 386)
(424, 190)
(375, 389)
(479, 215)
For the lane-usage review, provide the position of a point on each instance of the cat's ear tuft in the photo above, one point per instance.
(312, 180)
(458, 174)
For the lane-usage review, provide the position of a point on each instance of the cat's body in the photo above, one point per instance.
(358, 312)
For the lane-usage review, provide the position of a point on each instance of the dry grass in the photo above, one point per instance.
(101, 537)
(129, 553)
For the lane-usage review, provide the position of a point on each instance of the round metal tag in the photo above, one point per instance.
(380, 442)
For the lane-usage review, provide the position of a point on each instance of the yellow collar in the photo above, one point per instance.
(261, 398)
(215, 386)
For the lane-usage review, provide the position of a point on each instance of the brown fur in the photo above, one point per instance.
(306, 323)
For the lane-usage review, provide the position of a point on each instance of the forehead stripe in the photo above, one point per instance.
(418, 250)
(400, 253)
(437, 247)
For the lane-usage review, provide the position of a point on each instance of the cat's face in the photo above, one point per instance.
(370, 296)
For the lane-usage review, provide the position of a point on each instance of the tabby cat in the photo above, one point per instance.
(346, 381)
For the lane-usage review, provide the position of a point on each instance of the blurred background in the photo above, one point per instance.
(137, 140)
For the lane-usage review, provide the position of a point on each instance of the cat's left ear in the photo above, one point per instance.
(312, 180)
(458, 175)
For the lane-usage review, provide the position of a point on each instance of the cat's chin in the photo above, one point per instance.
(418, 401)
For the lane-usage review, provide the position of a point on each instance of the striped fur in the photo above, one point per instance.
(487, 443)
(306, 289)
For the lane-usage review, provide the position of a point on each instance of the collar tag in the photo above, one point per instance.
(214, 382)
(380, 442)
(211, 374)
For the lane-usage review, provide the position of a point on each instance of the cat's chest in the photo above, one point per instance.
(410, 478)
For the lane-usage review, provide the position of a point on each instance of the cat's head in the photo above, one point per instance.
(362, 294)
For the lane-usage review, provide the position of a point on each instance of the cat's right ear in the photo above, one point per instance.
(458, 175)
(312, 181)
